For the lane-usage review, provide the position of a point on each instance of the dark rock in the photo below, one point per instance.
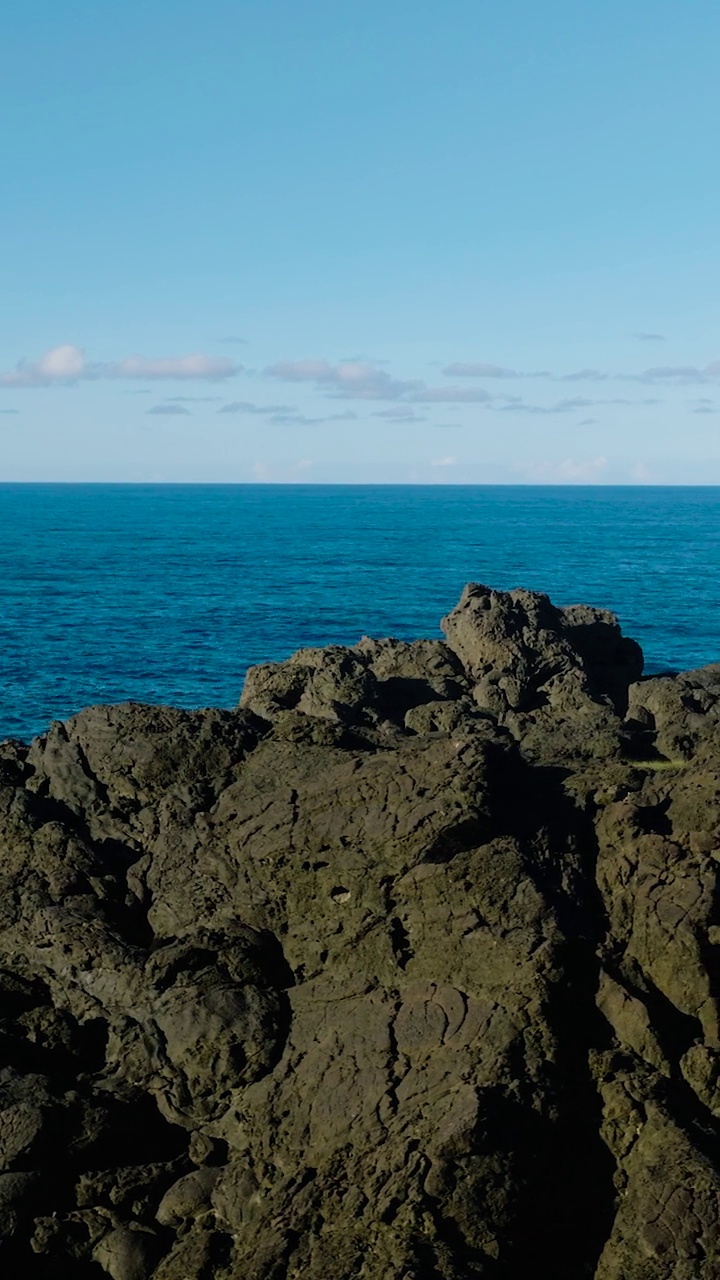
(128, 1253)
(407, 968)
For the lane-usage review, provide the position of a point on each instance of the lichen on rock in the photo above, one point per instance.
(406, 969)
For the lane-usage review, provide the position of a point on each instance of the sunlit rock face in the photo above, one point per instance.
(404, 970)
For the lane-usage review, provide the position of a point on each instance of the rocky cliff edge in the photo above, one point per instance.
(407, 969)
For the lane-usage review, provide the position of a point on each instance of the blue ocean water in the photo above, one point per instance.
(168, 593)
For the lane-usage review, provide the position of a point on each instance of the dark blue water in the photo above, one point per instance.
(167, 593)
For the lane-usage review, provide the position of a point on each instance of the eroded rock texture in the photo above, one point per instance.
(405, 970)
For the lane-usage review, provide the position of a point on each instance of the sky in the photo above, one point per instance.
(300, 241)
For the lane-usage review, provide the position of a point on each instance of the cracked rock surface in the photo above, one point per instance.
(407, 969)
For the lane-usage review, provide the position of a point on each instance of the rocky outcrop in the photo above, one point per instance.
(405, 970)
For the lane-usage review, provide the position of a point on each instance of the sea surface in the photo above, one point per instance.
(168, 593)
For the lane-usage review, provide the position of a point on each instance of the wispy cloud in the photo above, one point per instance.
(285, 415)
(449, 461)
(678, 375)
(650, 337)
(66, 365)
(478, 369)
(193, 399)
(400, 413)
(351, 379)
(701, 404)
(365, 380)
(301, 420)
(560, 406)
(672, 373)
(450, 395)
(584, 375)
(169, 410)
(202, 367)
(570, 405)
(232, 340)
(246, 406)
(9, 411)
(295, 420)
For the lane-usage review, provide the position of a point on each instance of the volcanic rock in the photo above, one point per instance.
(407, 969)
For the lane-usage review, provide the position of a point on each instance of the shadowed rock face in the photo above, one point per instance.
(405, 970)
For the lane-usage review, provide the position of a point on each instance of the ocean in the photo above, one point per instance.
(167, 593)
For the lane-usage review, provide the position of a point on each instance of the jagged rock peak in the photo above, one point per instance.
(556, 678)
(521, 650)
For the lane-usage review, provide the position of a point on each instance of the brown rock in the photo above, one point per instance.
(407, 968)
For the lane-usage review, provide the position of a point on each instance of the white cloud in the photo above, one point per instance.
(280, 473)
(205, 368)
(642, 473)
(65, 365)
(450, 461)
(571, 470)
(351, 379)
(365, 380)
(61, 363)
(568, 471)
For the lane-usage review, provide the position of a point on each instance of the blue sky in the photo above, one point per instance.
(383, 242)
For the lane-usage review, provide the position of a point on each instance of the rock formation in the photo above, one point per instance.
(405, 970)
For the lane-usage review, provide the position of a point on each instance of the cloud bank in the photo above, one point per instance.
(66, 365)
(350, 380)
